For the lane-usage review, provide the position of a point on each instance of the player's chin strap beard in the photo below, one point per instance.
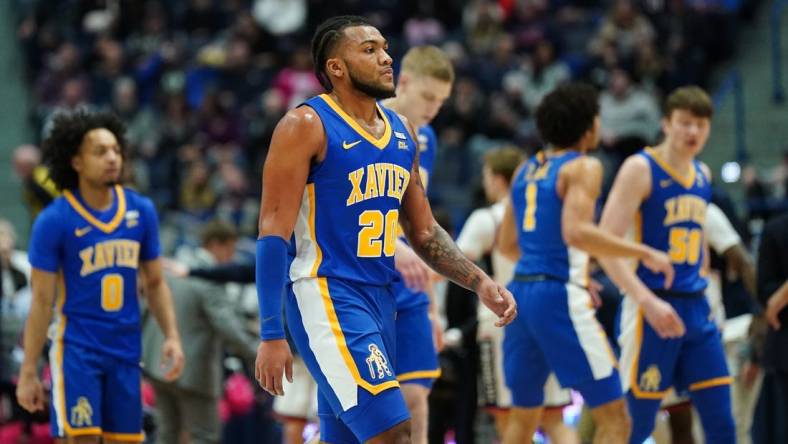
(374, 91)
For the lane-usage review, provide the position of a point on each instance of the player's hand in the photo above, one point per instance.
(777, 302)
(659, 262)
(662, 318)
(172, 358)
(498, 299)
(273, 358)
(414, 271)
(174, 267)
(30, 393)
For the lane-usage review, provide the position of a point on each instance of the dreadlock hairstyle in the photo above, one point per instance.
(66, 137)
(325, 40)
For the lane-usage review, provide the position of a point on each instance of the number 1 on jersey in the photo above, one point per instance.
(529, 219)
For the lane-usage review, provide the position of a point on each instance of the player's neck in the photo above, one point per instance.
(96, 197)
(678, 161)
(356, 104)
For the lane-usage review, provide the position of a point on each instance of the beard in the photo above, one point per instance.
(377, 92)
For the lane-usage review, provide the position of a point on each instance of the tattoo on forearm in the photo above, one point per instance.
(440, 252)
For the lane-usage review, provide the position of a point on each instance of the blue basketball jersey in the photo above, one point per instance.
(348, 222)
(671, 219)
(96, 255)
(428, 142)
(537, 210)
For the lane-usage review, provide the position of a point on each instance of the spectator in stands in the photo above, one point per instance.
(14, 305)
(297, 82)
(197, 194)
(757, 193)
(539, 75)
(483, 24)
(13, 280)
(206, 323)
(142, 124)
(109, 68)
(38, 190)
(65, 64)
(779, 177)
(625, 29)
(627, 112)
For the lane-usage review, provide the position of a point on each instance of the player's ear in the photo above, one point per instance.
(665, 125)
(335, 67)
(76, 163)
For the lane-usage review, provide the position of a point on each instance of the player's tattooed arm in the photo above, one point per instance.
(439, 251)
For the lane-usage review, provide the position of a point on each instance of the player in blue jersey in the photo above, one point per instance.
(552, 206)
(665, 190)
(423, 85)
(87, 249)
(337, 170)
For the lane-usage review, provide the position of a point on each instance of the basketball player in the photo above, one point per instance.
(87, 249)
(477, 238)
(423, 85)
(666, 191)
(336, 172)
(552, 201)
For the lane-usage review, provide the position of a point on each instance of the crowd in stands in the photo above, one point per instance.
(202, 83)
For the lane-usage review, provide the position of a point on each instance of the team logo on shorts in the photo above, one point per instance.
(378, 366)
(650, 379)
(82, 413)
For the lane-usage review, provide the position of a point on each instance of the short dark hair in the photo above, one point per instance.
(65, 138)
(567, 113)
(689, 98)
(218, 231)
(326, 37)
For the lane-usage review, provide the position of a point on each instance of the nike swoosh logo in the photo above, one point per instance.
(348, 146)
(79, 232)
(665, 183)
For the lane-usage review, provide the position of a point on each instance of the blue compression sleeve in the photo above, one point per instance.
(271, 276)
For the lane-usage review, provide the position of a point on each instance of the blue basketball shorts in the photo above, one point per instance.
(557, 331)
(345, 332)
(650, 365)
(94, 394)
(417, 358)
